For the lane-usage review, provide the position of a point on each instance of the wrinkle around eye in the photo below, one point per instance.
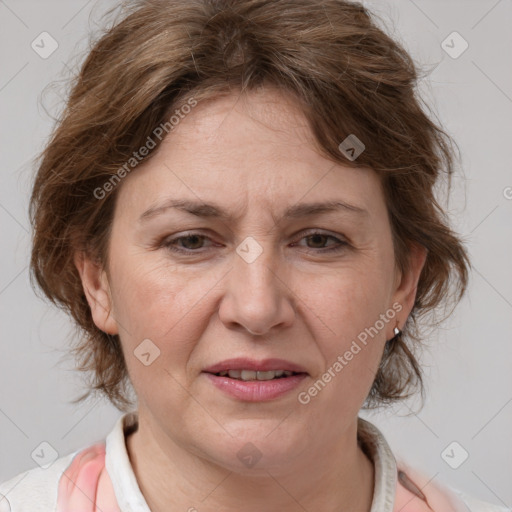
(340, 244)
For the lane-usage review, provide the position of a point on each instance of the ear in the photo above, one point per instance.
(97, 291)
(407, 282)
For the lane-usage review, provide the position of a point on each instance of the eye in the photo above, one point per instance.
(319, 238)
(191, 243)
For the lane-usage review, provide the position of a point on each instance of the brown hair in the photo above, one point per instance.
(349, 78)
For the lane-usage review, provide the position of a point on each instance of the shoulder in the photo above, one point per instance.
(414, 486)
(42, 489)
(476, 505)
(35, 489)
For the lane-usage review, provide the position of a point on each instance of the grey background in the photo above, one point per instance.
(468, 361)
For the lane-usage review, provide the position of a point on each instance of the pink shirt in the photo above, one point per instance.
(100, 478)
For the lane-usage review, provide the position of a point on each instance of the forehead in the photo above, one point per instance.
(239, 149)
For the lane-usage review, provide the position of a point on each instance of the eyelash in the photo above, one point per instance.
(170, 244)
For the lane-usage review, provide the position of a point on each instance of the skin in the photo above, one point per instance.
(254, 155)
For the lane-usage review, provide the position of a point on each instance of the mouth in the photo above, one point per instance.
(249, 375)
(256, 381)
(245, 369)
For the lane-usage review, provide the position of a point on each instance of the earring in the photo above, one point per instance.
(397, 333)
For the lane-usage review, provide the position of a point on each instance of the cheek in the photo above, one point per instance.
(155, 301)
(349, 300)
(156, 310)
(350, 336)
(346, 308)
(147, 294)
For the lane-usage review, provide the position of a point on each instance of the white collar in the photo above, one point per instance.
(130, 498)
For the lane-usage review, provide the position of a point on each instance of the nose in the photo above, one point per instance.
(257, 297)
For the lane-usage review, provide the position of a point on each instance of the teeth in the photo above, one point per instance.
(248, 374)
(255, 375)
(266, 375)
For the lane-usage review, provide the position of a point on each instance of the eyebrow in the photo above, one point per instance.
(212, 210)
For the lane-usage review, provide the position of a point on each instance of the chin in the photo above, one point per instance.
(257, 445)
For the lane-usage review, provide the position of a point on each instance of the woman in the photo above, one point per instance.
(237, 208)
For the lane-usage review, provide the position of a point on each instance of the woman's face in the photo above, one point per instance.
(250, 283)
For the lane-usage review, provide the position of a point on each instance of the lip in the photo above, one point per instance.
(256, 390)
(264, 365)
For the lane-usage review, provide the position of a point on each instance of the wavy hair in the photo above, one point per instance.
(348, 76)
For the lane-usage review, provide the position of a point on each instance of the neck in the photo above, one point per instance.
(171, 478)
